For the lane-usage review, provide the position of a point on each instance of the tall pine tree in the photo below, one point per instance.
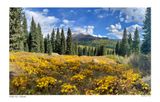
(146, 45)
(69, 42)
(53, 40)
(16, 36)
(49, 46)
(136, 42)
(34, 38)
(124, 46)
(130, 42)
(58, 42)
(117, 49)
(41, 42)
(25, 33)
(63, 42)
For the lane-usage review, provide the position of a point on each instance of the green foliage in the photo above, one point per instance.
(34, 37)
(16, 36)
(124, 46)
(142, 62)
(41, 41)
(63, 42)
(25, 33)
(130, 42)
(136, 42)
(117, 49)
(146, 45)
(58, 42)
(53, 40)
(69, 42)
(108, 43)
(49, 46)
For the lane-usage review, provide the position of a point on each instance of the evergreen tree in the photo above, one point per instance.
(40, 35)
(45, 45)
(34, 37)
(16, 36)
(53, 40)
(124, 46)
(130, 42)
(102, 50)
(146, 45)
(96, 51)
(58, 42)
(76, 47)
(136, 42)
(63, 43)
(69, 42)
(49, 46)
(80, 51)
(25, 33)
(117, 48)
(85, 51)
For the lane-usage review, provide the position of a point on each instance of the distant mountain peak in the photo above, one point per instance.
(86, 37)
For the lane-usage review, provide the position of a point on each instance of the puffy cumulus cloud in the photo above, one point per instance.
(65, 21)
(117, 32)
(47, 22)
(115, 29)
(84, 30)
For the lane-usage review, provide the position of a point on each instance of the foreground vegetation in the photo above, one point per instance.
(40, 74)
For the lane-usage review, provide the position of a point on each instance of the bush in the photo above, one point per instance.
(142, 62)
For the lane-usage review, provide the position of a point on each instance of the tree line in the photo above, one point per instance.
(33, 41)
(129, 45)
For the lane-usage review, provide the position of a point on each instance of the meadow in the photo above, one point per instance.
(43, 74)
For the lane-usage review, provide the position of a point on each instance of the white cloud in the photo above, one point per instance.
(134, 15)
(125, 14)
(132, 28)
(115, 29)
(45, 11)
(118, 31)
(84, 30)
(47, 22)
(65, 21)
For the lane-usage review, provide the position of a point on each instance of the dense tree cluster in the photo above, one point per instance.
(129, 45)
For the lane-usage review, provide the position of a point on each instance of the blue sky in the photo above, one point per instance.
(102, 22)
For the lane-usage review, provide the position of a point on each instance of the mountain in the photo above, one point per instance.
(85, 37)
(89, 40)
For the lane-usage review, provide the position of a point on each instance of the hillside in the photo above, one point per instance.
(89, 40)
(40, 74)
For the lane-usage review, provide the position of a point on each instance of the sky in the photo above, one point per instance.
(100, 22)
